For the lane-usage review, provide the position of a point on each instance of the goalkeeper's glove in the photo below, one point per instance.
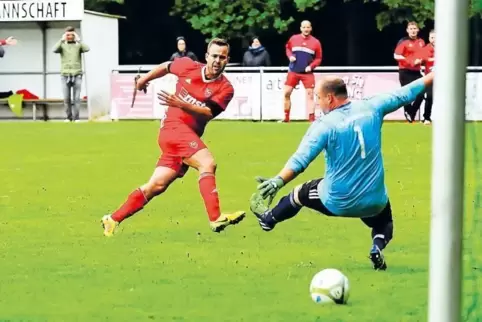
(269, 187)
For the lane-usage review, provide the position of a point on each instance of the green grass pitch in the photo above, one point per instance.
(57, 180)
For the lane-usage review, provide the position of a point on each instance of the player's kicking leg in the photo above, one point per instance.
(305, 195)
(203, 161)
(382, 233)
(157, 184)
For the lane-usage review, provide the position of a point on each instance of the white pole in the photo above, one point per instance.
(451, 23)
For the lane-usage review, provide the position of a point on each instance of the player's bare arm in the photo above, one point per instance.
(158, 72)
(10, 41)
(428, 79)
(173, 100)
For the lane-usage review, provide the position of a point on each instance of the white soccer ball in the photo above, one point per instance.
(330, 286)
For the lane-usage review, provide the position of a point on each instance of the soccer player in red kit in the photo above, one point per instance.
(202, 93)
(427, 55)
(409, 65)
(304, 52)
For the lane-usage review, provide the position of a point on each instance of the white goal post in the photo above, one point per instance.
(445, 280)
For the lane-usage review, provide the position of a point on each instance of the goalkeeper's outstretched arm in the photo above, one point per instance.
(313, 143)
(390, 102)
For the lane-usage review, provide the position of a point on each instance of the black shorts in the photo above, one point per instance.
(406, 76)
(309, 197)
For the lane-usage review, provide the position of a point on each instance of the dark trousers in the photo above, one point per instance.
(406, 76)
(71, 86)
(427, 115)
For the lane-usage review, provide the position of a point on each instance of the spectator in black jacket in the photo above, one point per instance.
(256, 55)
(181, 50)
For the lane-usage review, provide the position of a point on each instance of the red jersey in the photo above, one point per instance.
(427, 55)
(193, 87)
(307, 51)
(408, 48)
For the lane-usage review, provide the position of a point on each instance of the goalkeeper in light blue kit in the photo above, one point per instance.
(353, 185)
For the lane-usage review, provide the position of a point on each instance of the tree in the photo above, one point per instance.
(233, 19)
(241, 17)
(99, 5)
(399, 11)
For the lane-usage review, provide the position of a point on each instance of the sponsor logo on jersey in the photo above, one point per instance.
(188, 98)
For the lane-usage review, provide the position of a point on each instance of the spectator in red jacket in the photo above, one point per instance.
(427, 55)
(304, 53)
(409, 65)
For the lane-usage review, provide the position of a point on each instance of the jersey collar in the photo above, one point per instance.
(203, 73)
(342, 105)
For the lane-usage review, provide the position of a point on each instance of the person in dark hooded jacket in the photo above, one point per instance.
(256, 55)
(182, 51)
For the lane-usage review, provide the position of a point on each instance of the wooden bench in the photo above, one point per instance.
(42, 102)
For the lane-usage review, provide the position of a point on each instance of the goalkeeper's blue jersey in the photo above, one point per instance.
(350, 137)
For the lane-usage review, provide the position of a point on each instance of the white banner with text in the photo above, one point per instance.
(41, 10)
(259, 96)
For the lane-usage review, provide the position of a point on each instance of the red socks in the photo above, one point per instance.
(311, 117)
(287, 116)
(207, 186)
(135, 202)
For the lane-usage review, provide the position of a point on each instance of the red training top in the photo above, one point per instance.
(408, 47)
(306, 50)
(427, 54)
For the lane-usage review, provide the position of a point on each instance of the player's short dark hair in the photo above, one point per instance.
(337, 87)
(69, 29)
(432, 31)
(220, 42)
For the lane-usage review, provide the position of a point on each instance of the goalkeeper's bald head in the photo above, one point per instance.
(333, 85)
(331, 92)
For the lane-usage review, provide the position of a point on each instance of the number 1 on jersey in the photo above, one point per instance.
(361, 140)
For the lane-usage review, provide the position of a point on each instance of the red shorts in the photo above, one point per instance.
(178, 142)
(293, 79)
